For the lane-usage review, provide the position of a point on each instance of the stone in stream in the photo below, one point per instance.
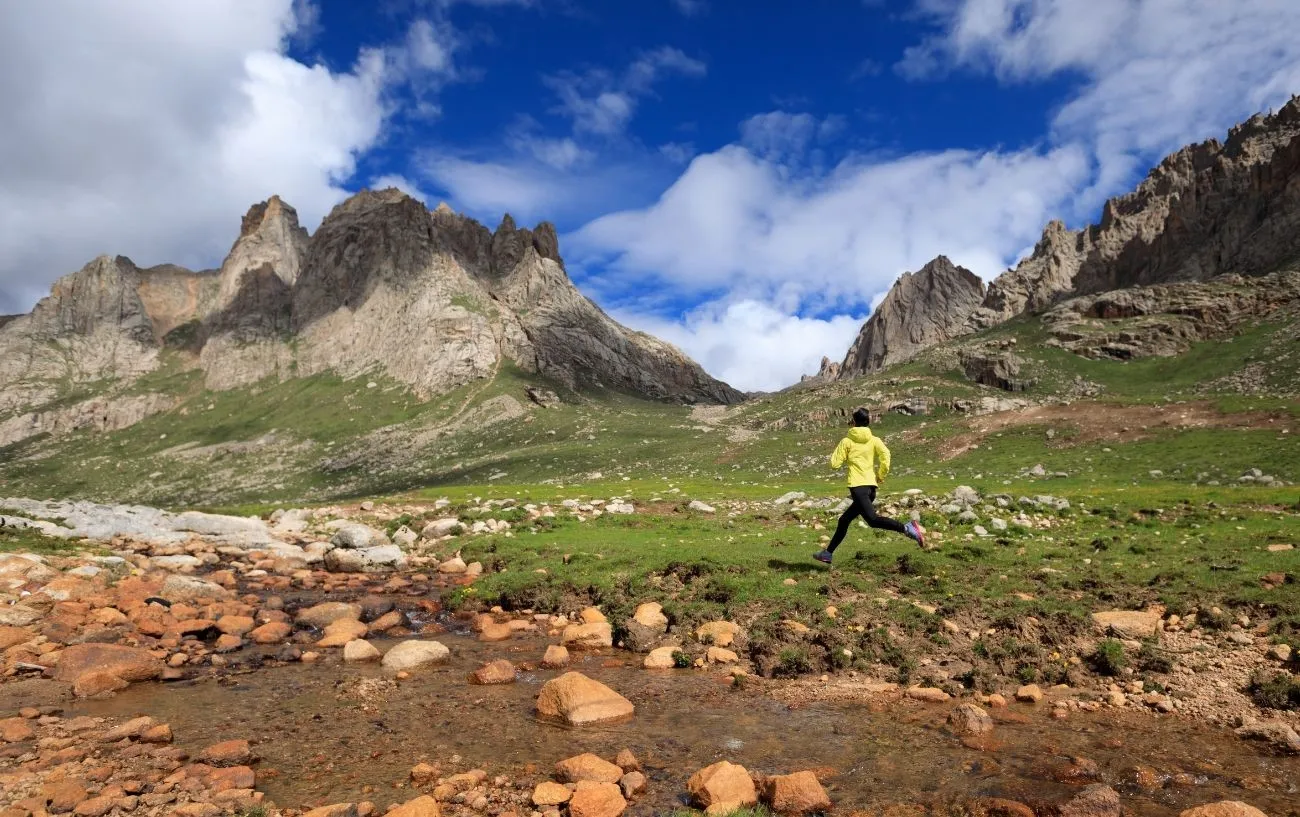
(930, 695)
(191, 590)
(359, 650)
(340, 632)
(1276, 733)
(322, 615)
(410, 654)
(334, 810)
(627, 761)
(128, 664)
(722, 788)
(591, 799)
(1029, 693)
(273, 632)
(236, 625)
(133, 728)
(577, 700)
(1224, 808)
(661, 658)
(227, 753)
(591, 636)
(1097, 800)
(494, 672)
(556, 656)
(969, 719)
(795, 794)
(587, 766)
(632, 784)
(16, 730)
(355, 536)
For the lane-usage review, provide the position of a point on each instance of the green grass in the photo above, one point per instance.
(15, 540)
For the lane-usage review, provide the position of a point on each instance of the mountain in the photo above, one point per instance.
(1205, 211)
(432, 299)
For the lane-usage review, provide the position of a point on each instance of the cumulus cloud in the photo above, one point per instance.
(602, 103)
(758, 220)
(777, 348)
(148, 128)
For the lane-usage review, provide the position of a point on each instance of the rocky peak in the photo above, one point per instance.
(102, 294)
(271, 244)
(923, 308)
(1039, 280)
(510, 244)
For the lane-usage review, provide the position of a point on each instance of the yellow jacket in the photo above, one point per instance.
(866, 455)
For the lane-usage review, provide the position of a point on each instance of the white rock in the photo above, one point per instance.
(702, 507)
(409, 654)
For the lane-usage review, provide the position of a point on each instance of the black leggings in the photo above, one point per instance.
(863, 498)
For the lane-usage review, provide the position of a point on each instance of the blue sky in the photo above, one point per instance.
(744, 179)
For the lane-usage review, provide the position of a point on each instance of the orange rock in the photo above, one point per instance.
(273, 632)
(97, 682)
(577, 700)
(95, 806)
(597, 800)
(556, 656)
(1224, 808)
(228, 642)
(550, 794)
(13, 636)
(340, 632)
(162, 733)
(236, 625)
(227, 753)
(587, 766)
(424, 806)
(62, 796)
(795, 794)
(127, 663)
(13, 730)
(722, 788)
(234, 777)
(494, 672)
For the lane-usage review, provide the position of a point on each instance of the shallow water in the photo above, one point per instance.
(319, 744)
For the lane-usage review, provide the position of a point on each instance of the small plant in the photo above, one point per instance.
(1153, 659)
(252, 811)
(1027, 673)
(681, 660)
(1109, 657)
(791, 662)
(1279, 690)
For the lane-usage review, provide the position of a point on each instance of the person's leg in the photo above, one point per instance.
(867, 499)
(850, 513)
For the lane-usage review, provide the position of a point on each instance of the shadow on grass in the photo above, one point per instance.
(800, 567)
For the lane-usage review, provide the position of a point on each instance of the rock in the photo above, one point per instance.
(494, 672)
(577, 700)
(651, 615)
(587, 767)
(439, 528)
(227, 643)
(98, 682)
(322, 615)
(162, 733)
(632, 784)
(342, 631)
(556, 657)
(227, 753)
(921, 309)
(453, 566)
(1276, 733)
(410, 654)
(787, 498)
(192, 590)
(661, 658)
(718, 633)
(550, 794)
(965, 495)
(333, 810)
(359, 650)
(236, 625)
(1029, 693)
(1130, 624)
(129, 664)
(492, 631)
(95, 806)
(1223, 808)
(1097, 800)
(702, 507)
(1281, 652)
(273, 632)
(627, 761)
(423, 806)
(354, 536)
(927, 694)
(597, 800)
(16, 730)
(404, 537)
(718, 655)
(13, 636)
(63, 795)
(969, 719)
(365, 560)
(722, 788)
(795, 794)
(593, 636)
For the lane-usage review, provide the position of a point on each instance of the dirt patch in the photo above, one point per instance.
(1107, 422)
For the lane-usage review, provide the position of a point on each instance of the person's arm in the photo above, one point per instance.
(838, 456)
(882, 460)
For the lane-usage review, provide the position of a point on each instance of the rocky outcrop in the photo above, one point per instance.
(923, 308)
(433, 300)
(1208, 210)
(1163, 321)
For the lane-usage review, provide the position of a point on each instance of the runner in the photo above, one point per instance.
(868, 461)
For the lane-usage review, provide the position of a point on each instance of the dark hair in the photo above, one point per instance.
(861, 417)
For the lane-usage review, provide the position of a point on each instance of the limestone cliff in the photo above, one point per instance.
(923, 308)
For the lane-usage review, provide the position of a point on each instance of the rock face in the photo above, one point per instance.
(923, 308)
(434, 300)
(1206, 211)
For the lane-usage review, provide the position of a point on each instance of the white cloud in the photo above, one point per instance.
(405, 185)
(602, 103)
(148, 128)
(678, 153)
(778, 348)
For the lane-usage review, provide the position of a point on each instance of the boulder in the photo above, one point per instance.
(651, 615)
(1131, 624)
(722, 788)
(236, 625)
(1029, 693)
(593, 636)
(365, 560)
(227, 753)
(354, 536)
(423, 806)
(494, 672)
(126, 663)
(1278, 734)
(632, 784)
(587, 766)
(439, 528)
(341, 632)
(795, 794)
(411, 654)
(556, 656)
(592, 799)
(322, 615)
(359, 650)
(718, 633)
(273, 632)
(661, 658)
(550, 794)
(1097, 800)
(192, 590)
(1223, 808)
(577, 700)
(97, 682)
(969, 719)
